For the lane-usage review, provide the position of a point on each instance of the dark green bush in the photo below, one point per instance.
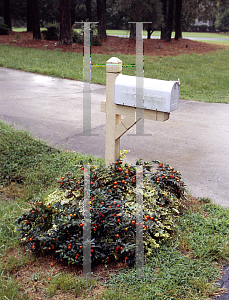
(56, 223)
(52, 32)
(4, 30)
(77, 38)
(203, 28)
(95, 41)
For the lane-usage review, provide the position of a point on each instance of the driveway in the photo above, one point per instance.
(195, 140)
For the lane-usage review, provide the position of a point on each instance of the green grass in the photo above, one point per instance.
(10, 288)
(155, 33)
(203, 236)
(168, 275)
(216, 42)
(204, 232)
(28, 170)
(202, 77)
(184, 34)
(21, 29)
(29, 163)
(66, 282)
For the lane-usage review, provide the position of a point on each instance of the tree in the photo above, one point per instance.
(101, 17)
(115, 16)
(152, 12)
(6, 11)
(36, 20)
(29, 15)
(145, 11)
(202, 9)
(65, 22)
(222, 20)
(169, 25)
(49, 11)
(164, 13)
(178, 26)
(73, 11)
(88, 10)
(169, 7)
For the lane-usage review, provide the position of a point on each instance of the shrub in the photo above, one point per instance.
(4, 30)
(203, 28)
(52, 32)
(56, 223)
(79, 38)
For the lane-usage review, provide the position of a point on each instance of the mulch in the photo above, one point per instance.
(152, 47)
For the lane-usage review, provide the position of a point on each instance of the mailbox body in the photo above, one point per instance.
(159, 95)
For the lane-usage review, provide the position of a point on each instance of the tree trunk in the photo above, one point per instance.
(149, 29)
(88, 10)
(164, 12)
(132, 31)
(73, 12)
(169, 26)
(7, 17)
(101, 15)
(134, 18)
(65, 22)
(29, 15)
(36, 21)
(178, 26)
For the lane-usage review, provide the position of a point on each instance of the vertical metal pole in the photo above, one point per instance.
(139, 223)
(87, 225)
(139, 81)
(87, 81)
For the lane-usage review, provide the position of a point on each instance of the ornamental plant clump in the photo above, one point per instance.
(56, 224)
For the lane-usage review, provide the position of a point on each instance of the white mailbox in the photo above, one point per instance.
(160, 95)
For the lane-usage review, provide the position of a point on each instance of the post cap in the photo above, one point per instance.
(114, 65)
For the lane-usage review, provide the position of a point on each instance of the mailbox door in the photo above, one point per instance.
(175, 96)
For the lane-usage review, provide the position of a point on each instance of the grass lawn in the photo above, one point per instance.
(155, 33)
(183, 268)
(202, 77)
(225, 42)
(184, 34)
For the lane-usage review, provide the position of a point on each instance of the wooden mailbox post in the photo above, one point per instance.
(115, 126)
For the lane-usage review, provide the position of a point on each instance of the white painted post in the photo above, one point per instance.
(112, 145)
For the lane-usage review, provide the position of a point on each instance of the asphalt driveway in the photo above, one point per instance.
(195, 140)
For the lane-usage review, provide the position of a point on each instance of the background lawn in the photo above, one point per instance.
(203, 77)
(155, 33)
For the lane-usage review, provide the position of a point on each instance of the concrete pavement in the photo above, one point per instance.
(195, 140)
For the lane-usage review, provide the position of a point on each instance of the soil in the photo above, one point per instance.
(37, 275)
(152, 47)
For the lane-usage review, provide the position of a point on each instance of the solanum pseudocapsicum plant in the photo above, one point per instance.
(56, 223)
